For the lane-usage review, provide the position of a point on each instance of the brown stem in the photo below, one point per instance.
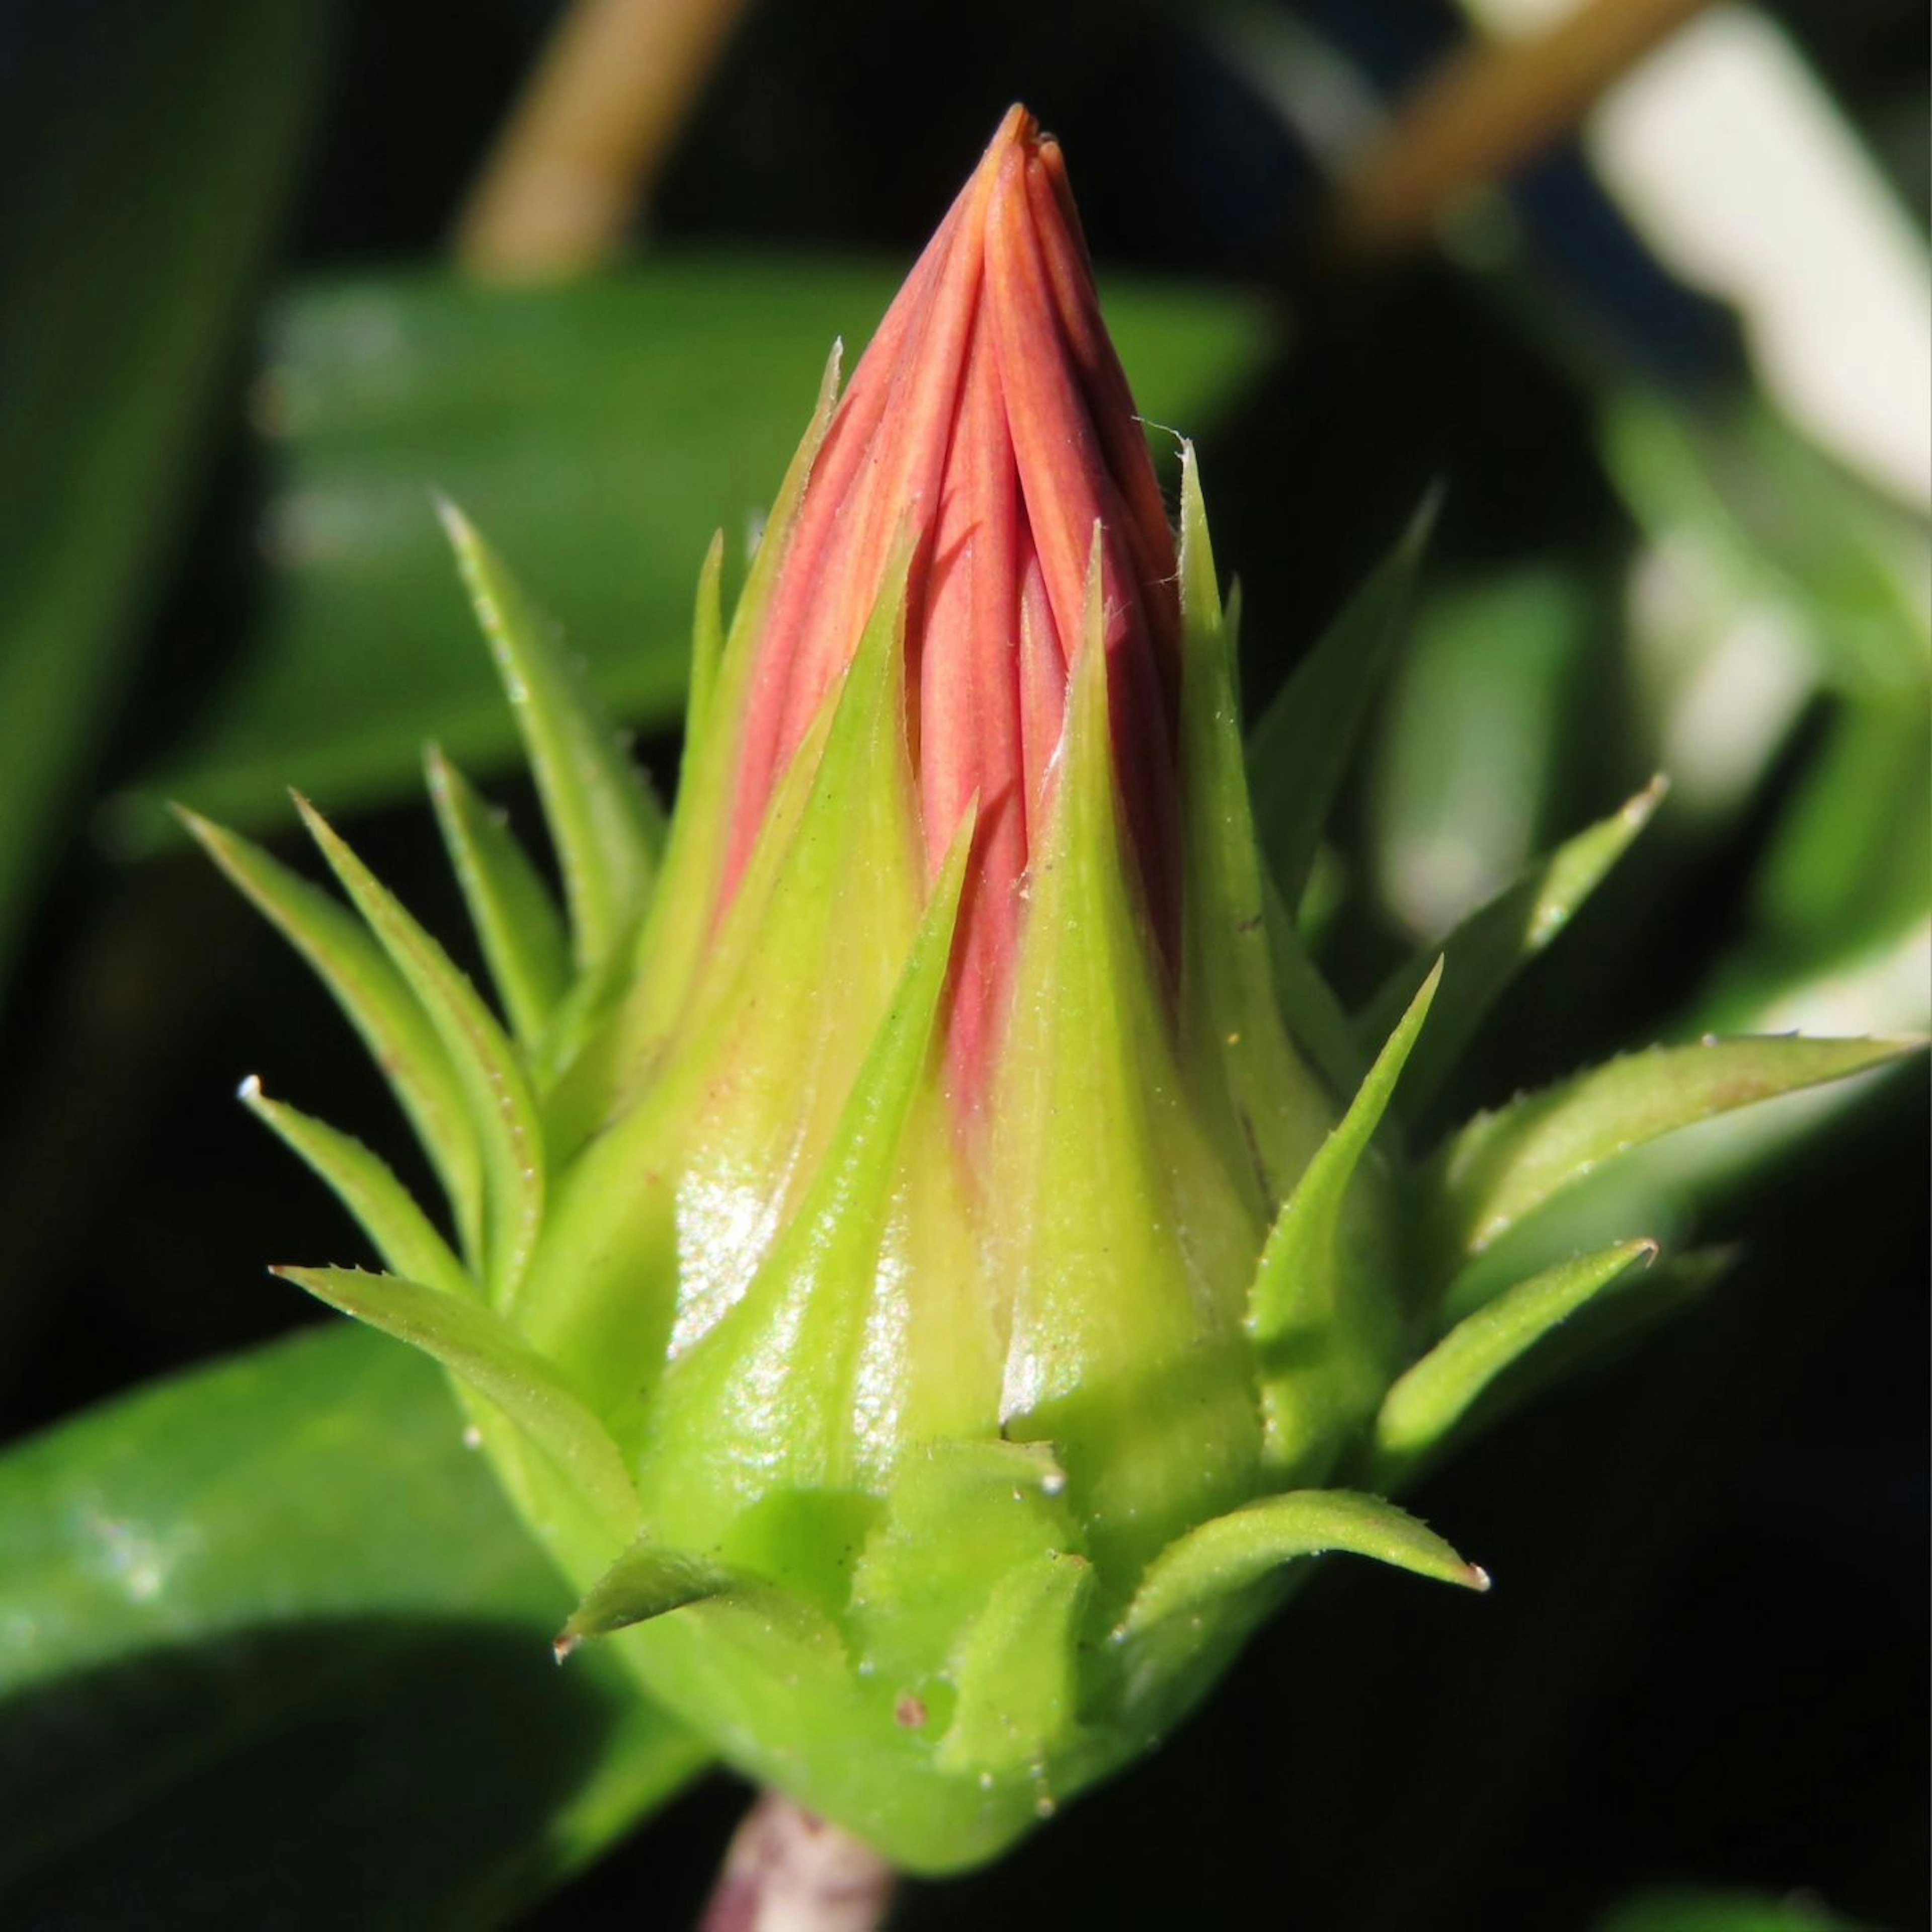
(790, 1871)
(1489, 109)
(583, 146)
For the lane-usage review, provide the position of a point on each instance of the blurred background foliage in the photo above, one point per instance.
(266, 1635)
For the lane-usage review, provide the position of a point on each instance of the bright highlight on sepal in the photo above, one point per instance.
(922, 1243)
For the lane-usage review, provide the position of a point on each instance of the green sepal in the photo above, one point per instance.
(499, 1100)
(646, 1581)
(484, 1353)
(673, 949)
(956, 1514)
(607, 828)
(516, 922)
(1233, 1551)
(1503, 1166)
(1431, 1397)
(1321, 1318)
(707, 640)
(772, 1390)
(363, 1182)
(1016, 1673)
(1112, 1213)
(1496, 941)
(1230, 1004)
(1299, 750)
(377, 1002)
(1604, 1328)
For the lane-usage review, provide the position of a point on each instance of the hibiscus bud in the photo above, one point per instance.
(903, 1266)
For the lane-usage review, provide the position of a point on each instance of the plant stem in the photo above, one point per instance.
(790, 1871)
(1489, 110)
(583, 146)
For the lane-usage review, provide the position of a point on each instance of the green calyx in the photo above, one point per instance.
(932, 1469)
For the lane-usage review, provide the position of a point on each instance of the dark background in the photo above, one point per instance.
(1705, 1658)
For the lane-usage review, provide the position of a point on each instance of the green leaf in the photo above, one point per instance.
(378, 1004)
(606, 826)
(1322, 1338)
(516, 920)
(142, 183)
(1494, 943)
(498, 1098)
(1432, 1396)
(482, 1351)
(1477, 736)
(274, 1608)
(1234, 1550)
(1504, 1165)
(364, 1183)
(600, 430)
(1298, 752)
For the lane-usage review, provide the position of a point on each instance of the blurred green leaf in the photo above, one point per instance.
(141, 184)
(600, 433)
(1686, 1909)
(273, 1650)
(1468, 768)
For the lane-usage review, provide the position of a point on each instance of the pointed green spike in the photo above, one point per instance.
(481, 1350)
(517, 921)
(1322, 1309)
(1297, 1266)
(499, 1102)
(1633, 1305)
(707, 640)
(1503, 1166)
(364, 1183)
(1298, 752)
(1015, 1670)
(1494, 943)
(607, 828)
(1230, 1003)
(647, 1581)
(376, 1000)
(1432, 1397)
(1106, 1187)
(1240, 1548)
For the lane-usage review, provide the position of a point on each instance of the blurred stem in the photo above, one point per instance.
(1491, 108)
(583, 148)
(790, 1871)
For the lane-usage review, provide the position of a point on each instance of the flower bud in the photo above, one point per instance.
(904, 1266)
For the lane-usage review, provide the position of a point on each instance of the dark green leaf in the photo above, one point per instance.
(152, 178)
(275, 1651)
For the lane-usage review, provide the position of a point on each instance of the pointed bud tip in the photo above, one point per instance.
(1476, 1578)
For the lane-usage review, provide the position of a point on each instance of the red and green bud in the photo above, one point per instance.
(924, 1235)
